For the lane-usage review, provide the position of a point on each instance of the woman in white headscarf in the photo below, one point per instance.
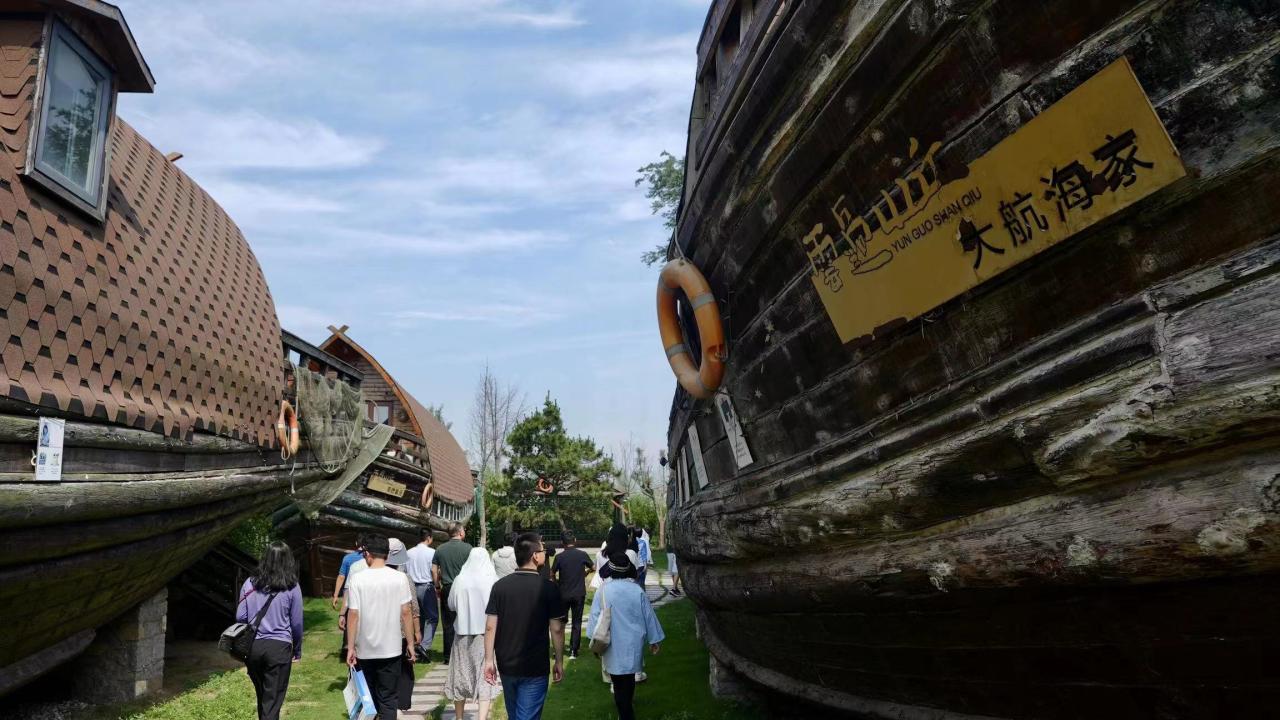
(469, 597)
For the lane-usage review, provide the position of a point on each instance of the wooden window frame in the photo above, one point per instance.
(57, 31)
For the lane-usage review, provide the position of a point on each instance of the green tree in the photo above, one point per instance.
(641, 512)
(581, 474)
(664, 184)
(438, 411)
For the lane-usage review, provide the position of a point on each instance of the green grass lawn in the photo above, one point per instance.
(315, 684)
(676, 690)
(677, 687)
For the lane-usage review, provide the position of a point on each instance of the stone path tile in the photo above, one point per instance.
(428, 691)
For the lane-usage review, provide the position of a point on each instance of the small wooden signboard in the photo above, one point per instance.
(379, 483)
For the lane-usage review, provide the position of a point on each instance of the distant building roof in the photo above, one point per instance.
(449, 469)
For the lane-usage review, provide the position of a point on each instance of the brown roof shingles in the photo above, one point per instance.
(159, 317)
(449, 469)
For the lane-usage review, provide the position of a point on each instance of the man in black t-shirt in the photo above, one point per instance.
(570, 574)
(522, 606)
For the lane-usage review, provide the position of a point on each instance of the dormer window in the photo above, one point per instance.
(70, 149)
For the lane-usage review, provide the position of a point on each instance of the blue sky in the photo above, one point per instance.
(451, 178)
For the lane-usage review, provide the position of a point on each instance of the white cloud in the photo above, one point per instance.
(454, 241)
(510, 314)
(248, 139)
(306, 322)
(659, 67)
(255, 205)
(561, 344)
(556, 20)
(480, 13)
(188, 52)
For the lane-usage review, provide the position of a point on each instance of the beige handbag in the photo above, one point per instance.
(600, 636)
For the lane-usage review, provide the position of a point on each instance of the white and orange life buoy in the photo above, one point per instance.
(428, 496)
(700, 381)
(288, 434)
(545, 487)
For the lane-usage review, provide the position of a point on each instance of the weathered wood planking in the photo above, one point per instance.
(85, 590)
(39, 504)
(1113, 652)
(1013, 505)
(989, 447)
(784, 253)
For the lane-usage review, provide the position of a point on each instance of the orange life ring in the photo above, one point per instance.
(699, 381)
(428, 496)
(287, 432)
(545, 487)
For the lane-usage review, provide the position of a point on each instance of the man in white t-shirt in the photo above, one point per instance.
(379, 616)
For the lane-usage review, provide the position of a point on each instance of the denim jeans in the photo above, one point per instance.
(524, 696)
(430, 608)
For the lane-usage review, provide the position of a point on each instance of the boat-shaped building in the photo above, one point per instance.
(143, 363)
(997, 435)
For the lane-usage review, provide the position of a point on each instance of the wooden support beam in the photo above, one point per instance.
(113, 437)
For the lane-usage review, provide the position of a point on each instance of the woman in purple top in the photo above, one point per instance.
(279, 638)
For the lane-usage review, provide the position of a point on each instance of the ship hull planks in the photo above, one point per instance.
(89, 547)
(1054, 495)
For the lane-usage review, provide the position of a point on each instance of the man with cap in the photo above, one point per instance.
(379, 620)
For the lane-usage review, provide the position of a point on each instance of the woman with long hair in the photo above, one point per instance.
(278, 643)
(632, 625)
(469, 597)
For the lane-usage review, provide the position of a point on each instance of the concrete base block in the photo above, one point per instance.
(126, 659)
(727, 684)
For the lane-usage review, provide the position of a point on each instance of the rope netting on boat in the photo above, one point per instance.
(332, 416)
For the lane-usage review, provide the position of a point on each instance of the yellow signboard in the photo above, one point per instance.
(1094, 152)
(378, 483)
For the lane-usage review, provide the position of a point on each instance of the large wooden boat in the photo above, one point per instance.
(419, 480)
(999, 280)
(134, 312)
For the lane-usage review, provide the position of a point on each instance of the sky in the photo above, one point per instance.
(453, 179)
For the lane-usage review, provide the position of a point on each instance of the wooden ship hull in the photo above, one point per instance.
(1054, 493)
(116, 529)
(385, 498)
(134, 312)
(420, 480)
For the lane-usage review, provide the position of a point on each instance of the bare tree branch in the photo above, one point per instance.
(495, 410)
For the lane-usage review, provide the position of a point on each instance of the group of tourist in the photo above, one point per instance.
(503, 615)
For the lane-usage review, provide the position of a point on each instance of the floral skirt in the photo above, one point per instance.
(466, 671)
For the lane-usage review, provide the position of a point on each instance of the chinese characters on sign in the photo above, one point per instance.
(1096, 151)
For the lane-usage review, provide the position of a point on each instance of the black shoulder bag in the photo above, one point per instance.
(237, 640)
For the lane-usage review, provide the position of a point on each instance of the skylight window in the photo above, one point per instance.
(70, 150)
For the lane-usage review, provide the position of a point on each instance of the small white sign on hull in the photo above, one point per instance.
(732, 428)
(49, 449)
(695, 449)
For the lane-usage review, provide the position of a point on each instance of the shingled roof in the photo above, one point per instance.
(449, 469)
(156, 317)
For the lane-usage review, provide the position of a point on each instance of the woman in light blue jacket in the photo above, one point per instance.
(632, 625)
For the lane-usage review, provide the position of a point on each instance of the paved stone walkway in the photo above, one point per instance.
(427, 694)
(429, 690)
